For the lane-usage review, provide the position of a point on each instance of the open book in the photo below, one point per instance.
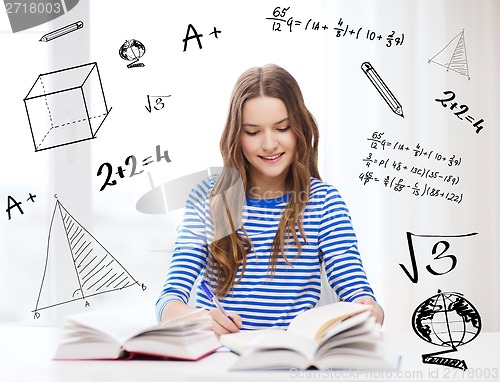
(99, 335)
(337, 336)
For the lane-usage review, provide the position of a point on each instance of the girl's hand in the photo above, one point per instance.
(377, 311)
(222, 324)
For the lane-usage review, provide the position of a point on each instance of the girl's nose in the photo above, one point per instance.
(269, 142)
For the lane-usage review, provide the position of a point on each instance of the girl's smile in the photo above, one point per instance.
(272, 158)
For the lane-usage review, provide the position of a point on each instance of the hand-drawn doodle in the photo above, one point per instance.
(463, 109)
(446, 319)
(132, 50)
(279, 19)
(440, 256)
(13, 203)
(453, 56)
(390, 159)
(132, 161)
(87, 267)
(62, 31)
(197, 36)
(382, 88)
(158, 102)
(66, 106)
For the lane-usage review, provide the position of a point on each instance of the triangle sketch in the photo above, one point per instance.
(85, 267)
(453, 56)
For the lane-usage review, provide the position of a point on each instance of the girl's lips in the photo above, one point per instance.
(271, 158)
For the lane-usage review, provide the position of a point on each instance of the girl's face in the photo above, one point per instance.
(267, 141)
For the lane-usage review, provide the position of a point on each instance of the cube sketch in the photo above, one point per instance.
(66, 106)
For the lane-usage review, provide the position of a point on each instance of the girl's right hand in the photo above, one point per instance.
(222, 324)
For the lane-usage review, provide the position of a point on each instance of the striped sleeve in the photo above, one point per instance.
(190, 253)
(338, 245)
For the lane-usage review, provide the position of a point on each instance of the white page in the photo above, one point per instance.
(248, 341)
(312, 323)
(348, 323)
(116, 326)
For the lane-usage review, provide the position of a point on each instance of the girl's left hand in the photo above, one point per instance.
(377, 311)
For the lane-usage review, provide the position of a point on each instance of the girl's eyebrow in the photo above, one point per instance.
(276, 123)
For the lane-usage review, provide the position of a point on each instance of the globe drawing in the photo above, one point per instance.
(132, 50)
(446, 319)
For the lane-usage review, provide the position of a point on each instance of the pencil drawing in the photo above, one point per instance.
(382, 88)
(453, 56)
(62, 31)
(66, 106)
(446, 319)
(132, 50)
(85, 266)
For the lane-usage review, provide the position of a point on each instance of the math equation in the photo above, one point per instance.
(157, 104)
(449, 259)
(460, 110)
(282, 21)
(134, 164)
(425, 179)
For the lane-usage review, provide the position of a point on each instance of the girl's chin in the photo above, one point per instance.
(268, 173)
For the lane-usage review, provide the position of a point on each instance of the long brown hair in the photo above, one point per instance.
(228, 250)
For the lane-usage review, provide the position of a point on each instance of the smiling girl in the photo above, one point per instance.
(261, 249)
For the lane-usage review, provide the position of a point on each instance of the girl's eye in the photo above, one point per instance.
(282, 130)
(251, 133)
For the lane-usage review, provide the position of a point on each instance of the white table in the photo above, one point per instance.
(26, 355)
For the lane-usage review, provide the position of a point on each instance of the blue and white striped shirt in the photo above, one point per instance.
(262, 301)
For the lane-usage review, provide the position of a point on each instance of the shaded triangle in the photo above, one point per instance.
(458, 61)
(98, 271)
(453, 56)
(77, 266)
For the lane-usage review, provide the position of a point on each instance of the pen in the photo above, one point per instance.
(212, 297)
(382, 88)
(62, 31)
